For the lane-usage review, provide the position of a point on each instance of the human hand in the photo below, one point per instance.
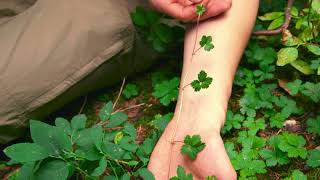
(213, 160)
(185, 10)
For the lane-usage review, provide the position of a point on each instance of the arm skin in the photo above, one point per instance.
(204, 112)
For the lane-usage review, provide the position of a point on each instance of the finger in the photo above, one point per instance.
(185, 3)
(177, 159)
(215, 8)
(178, 11)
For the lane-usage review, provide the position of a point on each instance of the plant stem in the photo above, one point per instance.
(120, 92)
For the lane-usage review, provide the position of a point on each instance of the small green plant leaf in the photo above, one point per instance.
(146, 174)
(276, 23)
(302, 66)
(200, 9)
(271, 16)
(206, 43)
(53, 139)
(203, 81)
(64, 124)
(117, 119)
(314, 158)
(78, 122)
(167, 91)
(314, 125)
(274, 157)
(17, 152)
(101, 168)
(53, 170)
(130, 90)
(297, 175)
(192, 146)
(314, 49)
(294, 87)
(105, 112)
(139, 17)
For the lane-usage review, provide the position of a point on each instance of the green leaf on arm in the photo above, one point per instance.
(192, 146)
(182, 175)
(200, 9)
(203, 81)
(206, 43)
(17, 152)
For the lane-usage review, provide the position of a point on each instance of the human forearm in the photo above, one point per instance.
(230, 33)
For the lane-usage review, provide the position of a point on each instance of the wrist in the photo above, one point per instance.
(195, 120)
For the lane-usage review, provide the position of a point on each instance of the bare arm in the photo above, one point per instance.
(204, 112)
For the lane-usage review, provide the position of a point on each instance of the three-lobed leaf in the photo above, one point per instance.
(203, 81)
(192, 146)
(206, 43)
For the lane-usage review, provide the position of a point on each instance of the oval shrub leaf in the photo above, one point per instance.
(26, 152)
(287, 55)
(53, 170)
(302, 66)
(314, 49)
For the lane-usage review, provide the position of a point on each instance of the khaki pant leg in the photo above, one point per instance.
(47, 50)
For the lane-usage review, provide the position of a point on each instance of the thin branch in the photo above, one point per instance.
(284, 26)
(128, 108)
(83, 104)
(120, 92)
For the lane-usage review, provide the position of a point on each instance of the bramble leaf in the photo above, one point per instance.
(167, 91)
(274, 157)
(206, 43)
(182, 175)
(192, 146)
(200, 9)
(203, 81)
(130, 90)
(314, 158)
(296, 175)
(314, 125)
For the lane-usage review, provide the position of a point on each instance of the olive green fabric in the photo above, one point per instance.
(56, 51)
